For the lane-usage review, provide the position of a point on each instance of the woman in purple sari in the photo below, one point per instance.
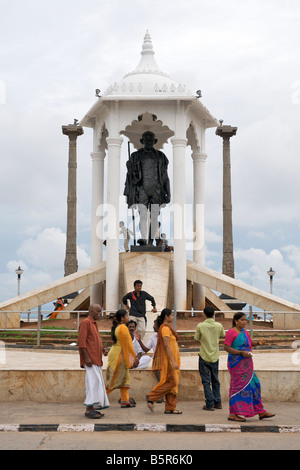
(244, 392)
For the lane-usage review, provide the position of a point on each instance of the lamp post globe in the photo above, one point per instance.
(19, 273)
(271, 274)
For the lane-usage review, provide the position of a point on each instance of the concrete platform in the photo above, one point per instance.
(44, 391)
(44, 376)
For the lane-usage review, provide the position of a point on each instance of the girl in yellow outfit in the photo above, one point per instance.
(121, 357)
(167, 361)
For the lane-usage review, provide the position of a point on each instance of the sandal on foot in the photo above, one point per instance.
(173, 412)
(93, 414)
(149, 404)
(127, 405)
(132, 400)
(237, 418)
(266, 415)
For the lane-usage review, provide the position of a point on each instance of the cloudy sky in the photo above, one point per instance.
(243, 55)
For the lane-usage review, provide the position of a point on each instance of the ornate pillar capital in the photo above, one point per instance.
(72, 131)
(98, 155)
(114, 141)
(199, 156)
(226, 132)
(178, 142)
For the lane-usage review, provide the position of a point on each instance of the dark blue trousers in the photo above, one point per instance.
(209, 373)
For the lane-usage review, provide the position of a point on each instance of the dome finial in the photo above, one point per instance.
(147, 78)
(147, 63)
(147, 45)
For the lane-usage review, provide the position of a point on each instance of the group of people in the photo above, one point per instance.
(128, 352)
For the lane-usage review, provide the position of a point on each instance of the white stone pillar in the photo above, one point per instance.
(179, 199)
(199, 159)
(112, 240)
(97, 219)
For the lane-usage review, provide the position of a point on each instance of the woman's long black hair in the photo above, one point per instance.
(166, 312)
(116, 321)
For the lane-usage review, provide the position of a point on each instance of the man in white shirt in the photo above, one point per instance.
(143, 359)
(152, 342)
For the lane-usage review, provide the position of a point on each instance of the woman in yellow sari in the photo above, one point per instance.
(167, 361)
(121, 357)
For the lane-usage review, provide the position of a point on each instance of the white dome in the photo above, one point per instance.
(147, 78)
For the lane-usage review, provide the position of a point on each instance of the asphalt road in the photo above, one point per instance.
(178, 443)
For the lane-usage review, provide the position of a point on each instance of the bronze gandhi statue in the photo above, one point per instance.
(147, 184)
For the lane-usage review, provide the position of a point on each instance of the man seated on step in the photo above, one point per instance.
(152, 342)
(143, 359)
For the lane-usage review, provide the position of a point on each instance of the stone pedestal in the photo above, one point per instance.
(153, 269)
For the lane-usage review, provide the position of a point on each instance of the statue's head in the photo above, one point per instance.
(148, 139)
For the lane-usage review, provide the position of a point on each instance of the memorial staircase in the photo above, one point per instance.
(156, 272)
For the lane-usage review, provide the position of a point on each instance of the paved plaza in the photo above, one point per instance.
(67, 416)
(28, 359)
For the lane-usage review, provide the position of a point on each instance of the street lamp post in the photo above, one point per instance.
(271, 273)
(19, 273)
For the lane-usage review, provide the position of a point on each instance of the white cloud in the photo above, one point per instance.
(47, 249)
(255, 234)
(293, 255)
(212, 237)
(42, 259)
(254, 264)
(44, 250)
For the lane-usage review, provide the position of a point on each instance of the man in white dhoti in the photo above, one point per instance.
(90, 351)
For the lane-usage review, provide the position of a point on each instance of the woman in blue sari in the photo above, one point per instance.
(244, 392)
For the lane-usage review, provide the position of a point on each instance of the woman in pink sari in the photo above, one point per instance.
(244, 392)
